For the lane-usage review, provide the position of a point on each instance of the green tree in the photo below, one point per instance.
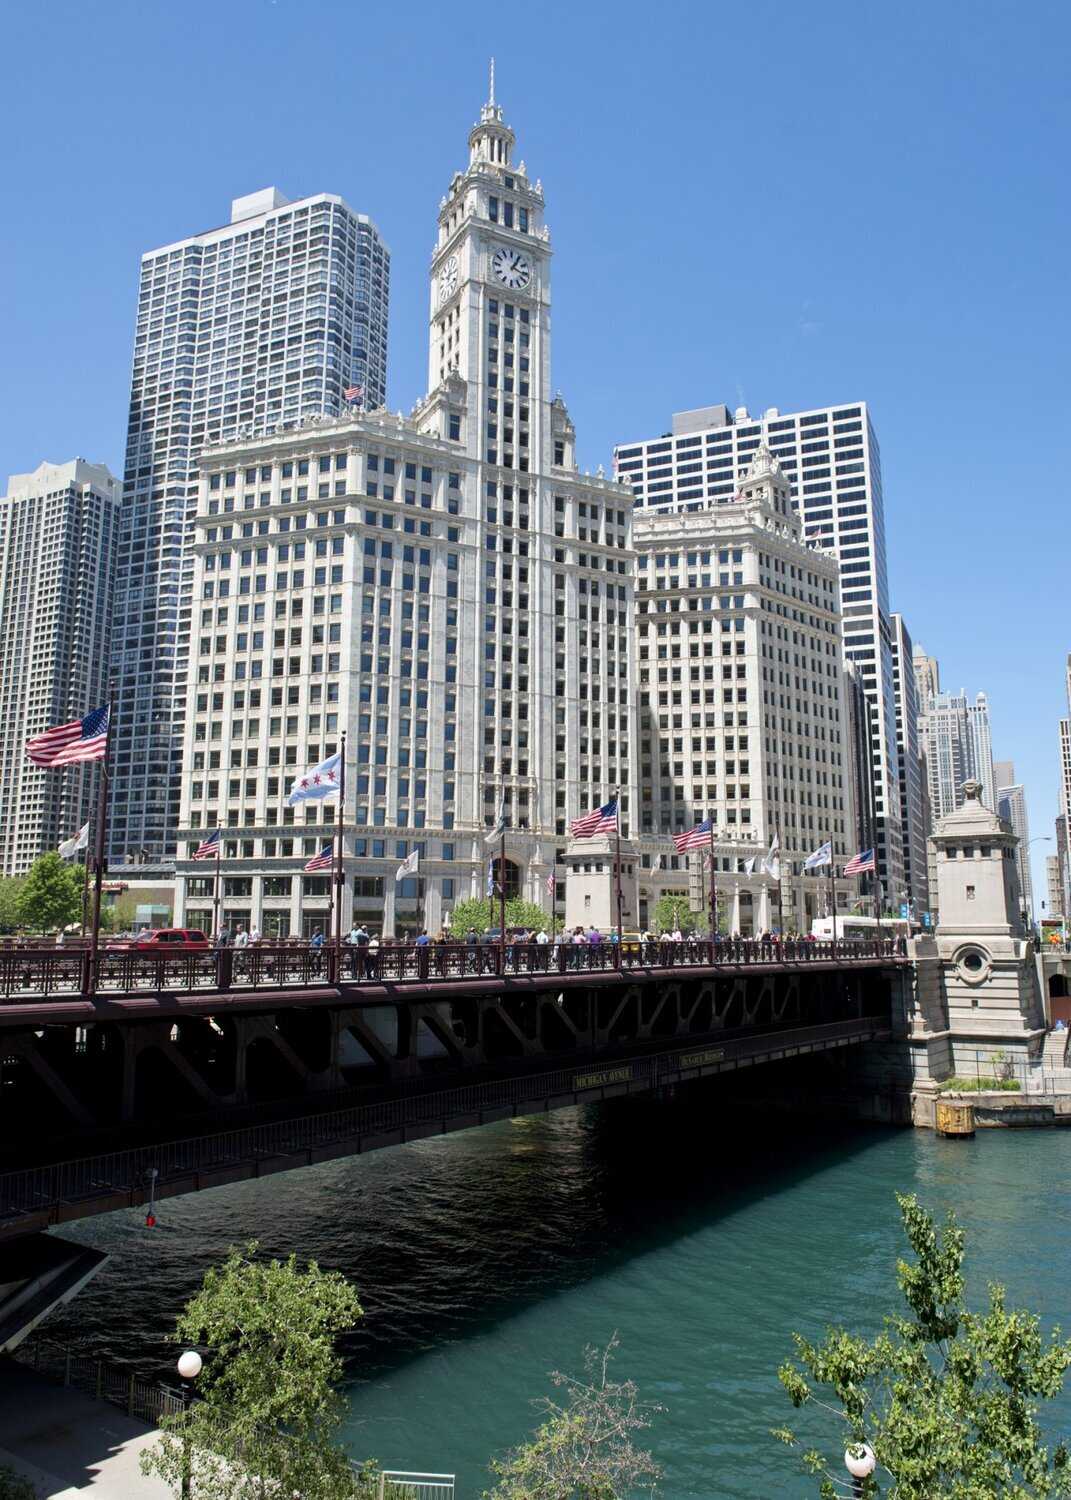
(50, 895)
(10, 886)
(483, 914)
(947, 1398)
(584, 1450)
(14, 1487)
(673, 911)
(268, 1410)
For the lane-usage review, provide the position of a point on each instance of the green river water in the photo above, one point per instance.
(488, 1258)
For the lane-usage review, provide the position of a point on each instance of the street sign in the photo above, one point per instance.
(927, 919)
(905, 910)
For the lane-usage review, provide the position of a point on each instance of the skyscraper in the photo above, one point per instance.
(58, 530)
(264, 321)
(447, 587)
(914, 820)
(1011, 805)
(955, 740)
(831, 458)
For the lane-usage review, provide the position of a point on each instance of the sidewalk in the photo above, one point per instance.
(68, 1444)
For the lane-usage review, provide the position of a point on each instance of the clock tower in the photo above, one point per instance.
(490, 301)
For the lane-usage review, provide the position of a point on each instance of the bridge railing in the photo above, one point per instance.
(52, 973)
(126, 1174)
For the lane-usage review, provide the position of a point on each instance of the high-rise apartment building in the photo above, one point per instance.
(914, 818)
(1011, 805)
(447, 587)
(955, 740)
(831, 458)
(859, 717)
(266, 320)
(741, 695)
(1054, 886)
(58, 529)
(982, 748)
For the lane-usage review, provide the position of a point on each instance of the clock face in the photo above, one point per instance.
(448, 279)
(511, 268)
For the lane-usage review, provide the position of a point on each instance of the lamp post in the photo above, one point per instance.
(860, 1462)
(189, 1367)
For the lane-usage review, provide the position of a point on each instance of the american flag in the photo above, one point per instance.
(696, 838)
(600, 820)
(321, 861)
(353, 393)
(208, 848)
(861, 863)
(81, 739)
(552, 881)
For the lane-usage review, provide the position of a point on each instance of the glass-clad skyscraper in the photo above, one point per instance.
(260, 324)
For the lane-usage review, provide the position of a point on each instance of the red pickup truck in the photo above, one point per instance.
(163, 940)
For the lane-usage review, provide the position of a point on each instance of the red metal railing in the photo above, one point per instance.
(53, 973)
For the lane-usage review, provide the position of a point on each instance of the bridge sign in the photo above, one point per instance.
(601, 1079)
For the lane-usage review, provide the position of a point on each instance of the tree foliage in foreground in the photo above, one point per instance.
(584, 1450)
(50, 894)
(947, 1398)
(267, 1413)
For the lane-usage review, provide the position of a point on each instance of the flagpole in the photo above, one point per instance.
(833, 886)
(215, 887)
(338, 857)
(98, 851)
(502, 897)
(85, 886)
(781, 888)
(713, 888)
(617, 867)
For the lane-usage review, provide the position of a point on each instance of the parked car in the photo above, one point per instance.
(163, 940)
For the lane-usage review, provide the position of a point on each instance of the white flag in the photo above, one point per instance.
(409, 865)
(749, 866)
(823, 855)
(321, 781)
(70, 847)
(499, 830)
(771, 862)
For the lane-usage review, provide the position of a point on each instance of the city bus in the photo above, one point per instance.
(851, 928)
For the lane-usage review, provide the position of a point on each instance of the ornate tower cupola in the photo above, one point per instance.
(766, 483)
(491, 140)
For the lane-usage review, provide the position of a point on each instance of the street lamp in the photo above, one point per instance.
(860, 1462)
(189, 1367)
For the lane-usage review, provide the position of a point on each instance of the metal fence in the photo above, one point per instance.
(115, 1383)
(405, 1484)
(152, 1402)
(1029, 1077)
(52, 973)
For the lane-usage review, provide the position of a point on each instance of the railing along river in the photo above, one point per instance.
(54, 973)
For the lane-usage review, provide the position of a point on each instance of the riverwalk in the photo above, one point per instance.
(68, 1444)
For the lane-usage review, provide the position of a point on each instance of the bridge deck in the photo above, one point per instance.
(36, 1197)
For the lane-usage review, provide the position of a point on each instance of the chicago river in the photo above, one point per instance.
(485, 1259)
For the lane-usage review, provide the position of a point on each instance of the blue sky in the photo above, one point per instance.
(766, 204)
